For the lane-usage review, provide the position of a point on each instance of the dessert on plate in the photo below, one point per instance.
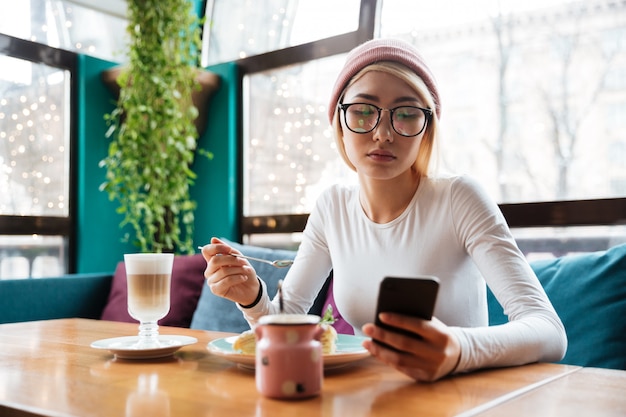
(245, 343)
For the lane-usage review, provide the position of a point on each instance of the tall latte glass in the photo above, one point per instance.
(148, 278)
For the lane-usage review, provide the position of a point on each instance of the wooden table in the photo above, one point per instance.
(48, 368)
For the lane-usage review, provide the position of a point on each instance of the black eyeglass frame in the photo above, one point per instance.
(428, 114)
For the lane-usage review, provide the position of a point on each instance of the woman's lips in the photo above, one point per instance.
(381, 155)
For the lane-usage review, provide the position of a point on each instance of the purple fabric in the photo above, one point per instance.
(340, 324)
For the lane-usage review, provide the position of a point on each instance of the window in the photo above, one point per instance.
(35, 163)
(92, 27)
(236, 29)
(525, 90)
(291, 153)
(36, 218)
(532, 94)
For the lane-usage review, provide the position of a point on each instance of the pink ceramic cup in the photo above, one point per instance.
(289, 363)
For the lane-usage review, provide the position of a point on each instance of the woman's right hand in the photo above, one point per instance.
(229, 276)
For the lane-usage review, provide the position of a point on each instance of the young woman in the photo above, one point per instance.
(402, 220)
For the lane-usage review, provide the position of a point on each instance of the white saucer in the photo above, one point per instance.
(124, 347)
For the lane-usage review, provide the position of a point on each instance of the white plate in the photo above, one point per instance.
(123, 347)
(349, 349)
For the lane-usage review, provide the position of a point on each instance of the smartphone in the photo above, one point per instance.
(410, 296)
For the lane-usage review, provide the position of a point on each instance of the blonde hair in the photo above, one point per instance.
(427, 146)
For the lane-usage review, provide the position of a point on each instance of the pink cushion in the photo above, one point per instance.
(187, 282)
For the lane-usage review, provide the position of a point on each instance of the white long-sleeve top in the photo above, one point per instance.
(451, 229)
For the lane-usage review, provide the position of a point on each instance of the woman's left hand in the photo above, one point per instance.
(428, 358)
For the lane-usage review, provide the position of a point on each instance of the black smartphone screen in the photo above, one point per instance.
(409, 296)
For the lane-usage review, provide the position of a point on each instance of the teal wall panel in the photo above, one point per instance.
(98, 236)
(216, 189)
(199, 7)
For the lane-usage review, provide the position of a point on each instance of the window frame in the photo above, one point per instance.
(600, 212)
(13, 225)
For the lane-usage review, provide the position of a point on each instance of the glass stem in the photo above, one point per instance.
(148, 334)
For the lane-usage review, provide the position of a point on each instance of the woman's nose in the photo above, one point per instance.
(384, 130)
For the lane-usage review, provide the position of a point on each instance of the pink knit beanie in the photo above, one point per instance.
(377, 50)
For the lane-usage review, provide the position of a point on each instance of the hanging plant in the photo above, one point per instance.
(154, 137)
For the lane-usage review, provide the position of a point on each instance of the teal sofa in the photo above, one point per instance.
(79, 295)
(587, 290)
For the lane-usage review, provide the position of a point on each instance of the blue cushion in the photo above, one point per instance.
(588, 292)
(217, 313)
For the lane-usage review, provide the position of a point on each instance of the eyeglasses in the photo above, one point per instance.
(406, 121)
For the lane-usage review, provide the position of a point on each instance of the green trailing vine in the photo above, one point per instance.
(152, 128)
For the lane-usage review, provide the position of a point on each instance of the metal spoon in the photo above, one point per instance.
(280, 263)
